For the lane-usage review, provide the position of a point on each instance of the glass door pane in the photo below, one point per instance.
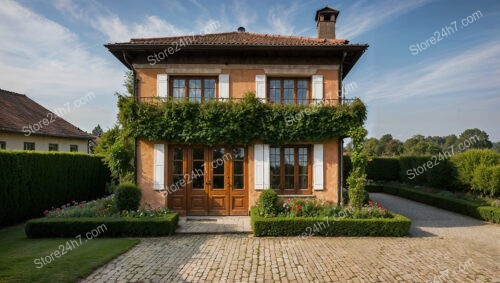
(218, 168)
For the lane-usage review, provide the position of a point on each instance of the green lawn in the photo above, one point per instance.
(18, 254)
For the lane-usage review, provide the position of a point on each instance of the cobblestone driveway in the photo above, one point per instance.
(445, 246)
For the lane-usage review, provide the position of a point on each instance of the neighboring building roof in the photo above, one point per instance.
(240, 38)
(18, 111)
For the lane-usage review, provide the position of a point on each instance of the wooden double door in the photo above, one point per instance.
(208, 181)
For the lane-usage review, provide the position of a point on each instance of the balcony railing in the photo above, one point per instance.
(314, 102)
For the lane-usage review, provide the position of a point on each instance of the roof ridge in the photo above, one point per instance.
(4, 91)
(316, 39)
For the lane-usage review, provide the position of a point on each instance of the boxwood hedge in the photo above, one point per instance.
(31, 182)
(285, 226)
(487, 213)
(114, 227)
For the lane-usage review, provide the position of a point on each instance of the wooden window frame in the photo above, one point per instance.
(186, 86)
(295, 88)
(296, 190)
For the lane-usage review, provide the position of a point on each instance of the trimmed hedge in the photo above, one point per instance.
(487, 213)
(114, 227)
(284, 226)
(34, 181)
(383, 169)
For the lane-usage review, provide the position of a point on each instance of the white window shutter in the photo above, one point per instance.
(317, 87)
(223, 86)
(159, 167)
(262, 166)
(318, 179)
(162, 85)
(260, 87)
(267, 168)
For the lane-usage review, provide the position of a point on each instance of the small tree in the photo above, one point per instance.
(357, 180)
(97, 131)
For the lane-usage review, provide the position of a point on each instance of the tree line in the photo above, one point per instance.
(419, 145)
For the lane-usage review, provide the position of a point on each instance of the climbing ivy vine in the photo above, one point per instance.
(238, 122)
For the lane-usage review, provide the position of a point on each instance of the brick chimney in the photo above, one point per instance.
(325, 21)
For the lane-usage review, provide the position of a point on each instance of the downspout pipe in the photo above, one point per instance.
(340, 150)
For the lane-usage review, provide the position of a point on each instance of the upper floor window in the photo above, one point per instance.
(29, 146)
(3, 145)
(288, 91)
(195, 89)
(73, 148)
(53, 147)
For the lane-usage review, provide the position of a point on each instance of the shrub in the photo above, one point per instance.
(321, 226)
(31, 182)
(113, 227)
(383, 169)
(408, 164)
(467, 162)
(443, 175)
(268, 203)
(487, 180)
(127, 197)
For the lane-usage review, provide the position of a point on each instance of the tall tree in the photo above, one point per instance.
(476, 138)
(117, 146)
(97, 131)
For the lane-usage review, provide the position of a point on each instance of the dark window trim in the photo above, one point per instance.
(29, 143)
(3, 144)
(282, 93)
(186, 85)
(296, 190)
(56, 146)
(71, 147)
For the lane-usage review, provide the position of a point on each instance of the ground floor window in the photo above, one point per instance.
(29, 146)
(3, 145)
(53, 147)
(290, 169)
(73, 148)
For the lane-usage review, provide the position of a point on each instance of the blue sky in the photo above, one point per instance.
(53, 52)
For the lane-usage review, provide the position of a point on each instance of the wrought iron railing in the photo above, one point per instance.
(313, 102)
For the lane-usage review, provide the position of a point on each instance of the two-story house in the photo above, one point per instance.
(279, 69)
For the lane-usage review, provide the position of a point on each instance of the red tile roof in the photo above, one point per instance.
(240, 38)
(18, 111)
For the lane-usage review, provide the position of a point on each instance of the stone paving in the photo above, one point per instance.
(444, 247)
(214, 224)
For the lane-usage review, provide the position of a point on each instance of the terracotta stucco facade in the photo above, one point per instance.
(241, 80)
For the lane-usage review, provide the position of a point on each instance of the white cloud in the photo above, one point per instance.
(364, 16)
(244, 15)
(47, 62)
(117, 31)
(474, 71)
(281, 18)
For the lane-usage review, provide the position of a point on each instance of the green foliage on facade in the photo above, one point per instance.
(240, 122)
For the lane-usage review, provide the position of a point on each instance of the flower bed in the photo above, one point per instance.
(77, 218)
(311, 217)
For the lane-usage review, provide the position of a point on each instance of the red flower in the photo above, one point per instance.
(45, 212)
(296, 213)
(58, 209)
(370, 202)
(292, 208)
(298, 207)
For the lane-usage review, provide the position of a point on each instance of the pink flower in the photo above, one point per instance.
(45, 212)
(58, 209)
